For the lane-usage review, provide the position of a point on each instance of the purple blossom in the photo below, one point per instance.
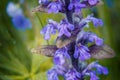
(93, 2)
(52, 74)
(85, 37)
(21, 22)
(93, 69)
(94, 38)
(69, 61)
(93, 76)
(18, 18)
(49, 29)
(82, 52)
(99, 69)
(72, 74)
(76, 5)
(64, 28)
(62, 61)
(59, 58)
(95, 21)
(63, 52)
(13, 10)
(54, 7)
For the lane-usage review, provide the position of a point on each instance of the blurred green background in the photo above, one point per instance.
(16, 61)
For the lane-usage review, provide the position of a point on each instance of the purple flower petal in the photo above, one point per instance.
(76, 5)
(52, 74)
(92, 2)
(49, 29)
(54, 7)
(99, 69)
(82, 52)
(64, 28)
(13, 10)
(94, 38)
(97, 22)
(72, 74)
(93, 76)
(21, 22)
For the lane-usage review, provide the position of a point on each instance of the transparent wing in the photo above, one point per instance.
(39, 8)
(47, 50)
(101, 52)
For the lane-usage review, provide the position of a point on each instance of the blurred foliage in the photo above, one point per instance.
(16, 61)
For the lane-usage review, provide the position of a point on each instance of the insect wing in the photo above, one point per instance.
(64, 41)
(39, 8)
(47, 50)
(101, 52)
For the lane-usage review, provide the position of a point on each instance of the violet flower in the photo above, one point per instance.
(49, 29)
(70, 60)
(62, 61)
(76, 5)
(72, 74)
(82, 52)
(99, 69)
(85, 37)
(94, 38)
(97, 22)
(54, 7)
(21, 22)
(13, 9)
(18, 19)
(92, 72)
(65, 28)
(93, 76)
(52, 75)
(93, 2)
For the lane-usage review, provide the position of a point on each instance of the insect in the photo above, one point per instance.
(97, 52)
(64, 41)
(47, 50)
(40, 8)
(101, 52)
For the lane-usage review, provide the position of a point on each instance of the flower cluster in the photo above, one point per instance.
(18, 18)
(70, 60)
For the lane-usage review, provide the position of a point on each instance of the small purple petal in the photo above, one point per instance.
(67, 33)
(13, 10)
(97, 22)
(21, 22)
(72, 74)
(70, 7)
(54, 7)
(92, 2)
(59, 59)
(64, 28)
(99, 69)
(82, 52)
(76, 5)
(93, 76)
(52, 75)
(99, 41)
(94, 38)
(49, 29)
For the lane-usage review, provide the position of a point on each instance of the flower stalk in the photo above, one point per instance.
(74, 46)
